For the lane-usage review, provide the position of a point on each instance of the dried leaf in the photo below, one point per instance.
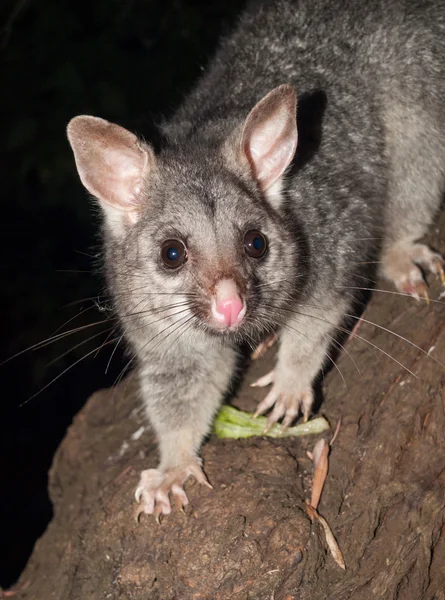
(331, 542)
(316, 452)
(337, 429)
(321, 471)
(310, 511)
(329, 536)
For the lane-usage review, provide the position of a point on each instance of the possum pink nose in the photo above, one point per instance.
(227, 306)
(229, 311)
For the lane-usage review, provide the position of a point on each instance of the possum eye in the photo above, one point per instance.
(255, 244)
(173, 253)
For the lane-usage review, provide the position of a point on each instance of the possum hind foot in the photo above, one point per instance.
(405, 265)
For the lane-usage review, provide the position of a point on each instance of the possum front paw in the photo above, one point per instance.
(155, 486)
(287, 400)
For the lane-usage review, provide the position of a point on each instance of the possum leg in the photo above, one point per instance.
(181, 400)
(416, 152)
(304, 348)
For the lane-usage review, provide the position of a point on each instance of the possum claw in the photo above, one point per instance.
(264, 381)
(263, 347)
(417, 290)
(438, 265)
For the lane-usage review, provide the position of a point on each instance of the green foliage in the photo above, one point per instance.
(233, 423)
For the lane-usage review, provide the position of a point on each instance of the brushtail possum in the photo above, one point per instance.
(313, 144)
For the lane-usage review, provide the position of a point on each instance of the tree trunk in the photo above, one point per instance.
(251, 538)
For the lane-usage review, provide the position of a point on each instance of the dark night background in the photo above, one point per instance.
(129, 61)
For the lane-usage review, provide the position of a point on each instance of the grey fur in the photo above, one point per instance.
(367, 179)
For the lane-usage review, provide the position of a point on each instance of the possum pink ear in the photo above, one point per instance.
(112, 163)
(270, 135)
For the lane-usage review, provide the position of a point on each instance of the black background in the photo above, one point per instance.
(129, 61)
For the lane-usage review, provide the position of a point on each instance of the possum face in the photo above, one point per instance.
(192, 236)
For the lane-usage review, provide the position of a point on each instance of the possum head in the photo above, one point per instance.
(195, 235)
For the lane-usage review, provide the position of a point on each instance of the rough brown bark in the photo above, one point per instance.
(250, 538)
